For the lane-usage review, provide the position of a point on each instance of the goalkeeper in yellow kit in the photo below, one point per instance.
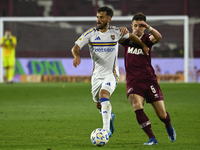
(8, 43)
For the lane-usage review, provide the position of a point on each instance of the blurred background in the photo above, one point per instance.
(45, 40)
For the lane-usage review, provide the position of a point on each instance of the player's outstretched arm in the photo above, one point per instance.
(135, 39)
(75, 53)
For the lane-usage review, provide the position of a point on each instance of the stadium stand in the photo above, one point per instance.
(87, 8)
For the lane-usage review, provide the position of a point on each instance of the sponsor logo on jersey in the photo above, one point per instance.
(98, 38)
(136, 51)
(112, 37)
(104, 49)
(80, 39)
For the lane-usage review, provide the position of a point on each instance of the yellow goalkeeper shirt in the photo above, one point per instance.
(8, 48)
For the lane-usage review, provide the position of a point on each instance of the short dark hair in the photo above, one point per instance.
(139, 16)
(108, 10)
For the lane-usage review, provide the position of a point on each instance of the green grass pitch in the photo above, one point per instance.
(60, 116)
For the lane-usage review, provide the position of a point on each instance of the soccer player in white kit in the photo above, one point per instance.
(103, 45)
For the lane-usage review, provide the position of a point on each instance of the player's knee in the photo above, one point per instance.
(137, 106)
(162, 115)
(104, 94)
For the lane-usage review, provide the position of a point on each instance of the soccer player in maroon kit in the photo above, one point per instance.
(141, 80)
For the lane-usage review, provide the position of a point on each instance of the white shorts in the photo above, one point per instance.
(108, 83)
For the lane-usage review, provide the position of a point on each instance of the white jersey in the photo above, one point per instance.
(103, 50)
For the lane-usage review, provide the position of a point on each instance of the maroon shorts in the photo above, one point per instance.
(150, 90)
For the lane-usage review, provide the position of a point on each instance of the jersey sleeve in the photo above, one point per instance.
(147, 40)
(84, 38)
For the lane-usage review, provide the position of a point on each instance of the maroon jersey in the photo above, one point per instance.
(137, 64)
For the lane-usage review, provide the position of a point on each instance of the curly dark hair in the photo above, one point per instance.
(139, 16)
(108, 10)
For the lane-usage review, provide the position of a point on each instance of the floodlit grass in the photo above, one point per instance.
(60, 116)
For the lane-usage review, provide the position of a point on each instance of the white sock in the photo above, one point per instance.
(106, 109)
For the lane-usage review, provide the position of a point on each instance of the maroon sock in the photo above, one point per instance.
(144, 122)
(167, 121)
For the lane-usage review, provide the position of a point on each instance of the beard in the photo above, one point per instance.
(102, 26)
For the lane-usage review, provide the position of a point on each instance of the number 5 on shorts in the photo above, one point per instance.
(153, 89)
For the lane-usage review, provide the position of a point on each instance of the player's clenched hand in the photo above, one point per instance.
(143, 24)
(76, 61)
(124, 31)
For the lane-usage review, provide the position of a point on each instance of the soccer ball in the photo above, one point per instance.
(99, 137)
